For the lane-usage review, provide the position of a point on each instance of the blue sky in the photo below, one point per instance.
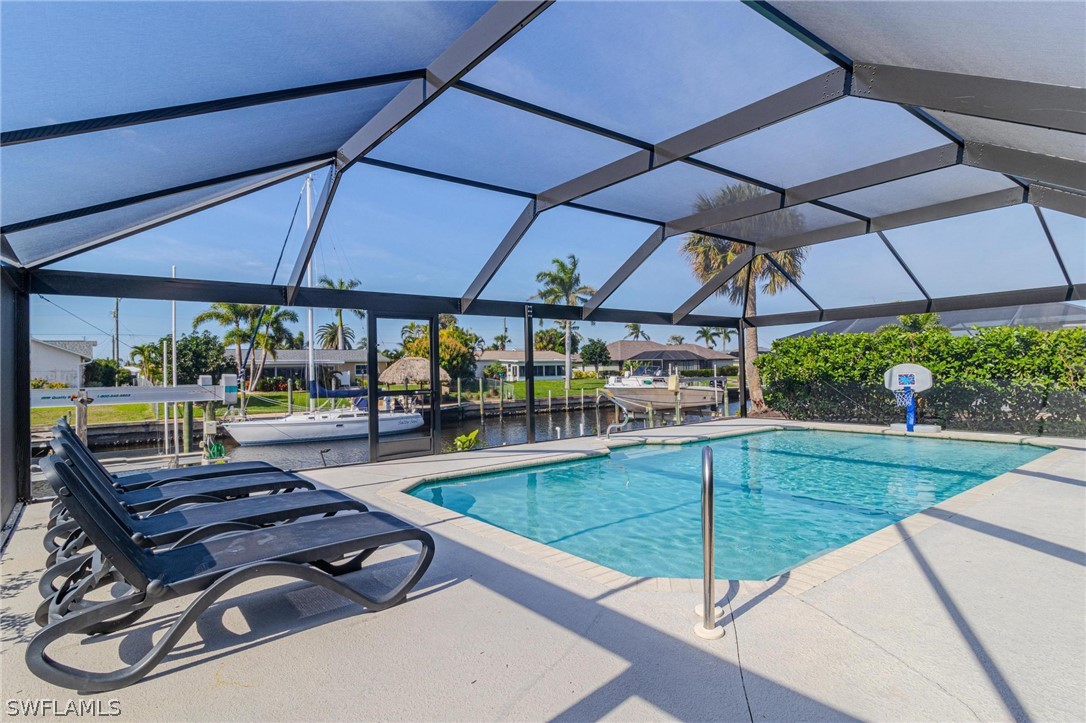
(645, 69)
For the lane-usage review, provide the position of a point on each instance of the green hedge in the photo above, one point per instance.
(1008, 379)
(723, 371)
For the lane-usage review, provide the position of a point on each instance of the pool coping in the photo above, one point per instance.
(798, 580)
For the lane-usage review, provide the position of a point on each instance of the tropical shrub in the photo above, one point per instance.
(1014, 379)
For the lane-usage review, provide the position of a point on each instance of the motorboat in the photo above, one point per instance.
(643, 389)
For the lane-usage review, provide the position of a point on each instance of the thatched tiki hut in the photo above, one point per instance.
(410, 369)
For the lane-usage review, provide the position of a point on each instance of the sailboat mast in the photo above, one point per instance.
(311, 373)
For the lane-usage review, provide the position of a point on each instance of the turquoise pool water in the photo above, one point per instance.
(781, 498)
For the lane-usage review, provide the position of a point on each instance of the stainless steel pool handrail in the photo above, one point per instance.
(708, 610)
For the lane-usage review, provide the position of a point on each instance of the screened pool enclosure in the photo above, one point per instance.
(919, 157)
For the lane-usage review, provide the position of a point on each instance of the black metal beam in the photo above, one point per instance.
(312, 233)
(15, 382)
(75, 283)
(529, 373)
(1052, 245)
(765, 112)
(1057, 199)
(7, 253)
(124, 120)
(780, 106)
(499, 255)
(501, 22)
(949, 209)
(309, 162)
(1015, 101)
(644, 251)
(714, 284)
(994, 300)
(1023, 164)
(792, 281)
(906, 269)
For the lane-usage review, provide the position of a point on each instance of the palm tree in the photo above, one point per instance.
(676, 339)
(147, 357)
(726, 334)
(500, 342)
(709, 254)
(412, 331)
(272, 334)
(334, 336)
(709, 335)
(326, 282)
(236, 317)
(634, 331)
(562, 285)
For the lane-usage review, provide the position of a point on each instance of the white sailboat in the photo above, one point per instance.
(317, 426)
(314, 425)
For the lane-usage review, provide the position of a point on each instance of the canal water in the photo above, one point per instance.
(493, 432)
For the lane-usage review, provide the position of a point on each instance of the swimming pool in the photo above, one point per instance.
(782, 498)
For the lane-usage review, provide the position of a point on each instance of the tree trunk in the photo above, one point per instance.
(569, 352)
(339, 330)
(750, 340)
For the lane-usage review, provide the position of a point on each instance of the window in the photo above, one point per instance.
(360, 370)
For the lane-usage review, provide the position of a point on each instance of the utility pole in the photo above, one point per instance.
(116, 331)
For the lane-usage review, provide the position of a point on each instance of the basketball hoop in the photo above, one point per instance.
(903, 397)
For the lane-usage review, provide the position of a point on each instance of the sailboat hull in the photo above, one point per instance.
(297, 428)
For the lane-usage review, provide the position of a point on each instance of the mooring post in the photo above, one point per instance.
(81, 403)
(290, 395)
(186, 424)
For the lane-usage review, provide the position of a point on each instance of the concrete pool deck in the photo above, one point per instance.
(972, 610)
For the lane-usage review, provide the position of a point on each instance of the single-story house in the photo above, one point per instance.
(60, 360)
(1047, 317)
(668, 357)
(548, 364)
(349, 365)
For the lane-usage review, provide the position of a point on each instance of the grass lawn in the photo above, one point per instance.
(116, 413)
(557, 388)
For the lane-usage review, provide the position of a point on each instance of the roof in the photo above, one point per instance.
(1042, 316)
(322, 356)
(647, 350)
(889, 143)
(513, 355)
(83, 348)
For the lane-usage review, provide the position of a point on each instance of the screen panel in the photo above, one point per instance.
(1069, 235)
(999, 250)
(103, 58)
(946, 184)
(648, 69)
(94, 168)
(666, 193)
(665, 280)
(1039, 42)
(841, 136)
(598, 243)
(238, 240)
(404, 233)
(855, 271)
(470, 137)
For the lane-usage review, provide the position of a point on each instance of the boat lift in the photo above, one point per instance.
(225, 392)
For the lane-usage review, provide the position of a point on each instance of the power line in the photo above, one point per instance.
(77, 316)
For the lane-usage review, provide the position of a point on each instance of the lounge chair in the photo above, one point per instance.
(166, 495)
(174, 526)
(135, 480)
(308, 550)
